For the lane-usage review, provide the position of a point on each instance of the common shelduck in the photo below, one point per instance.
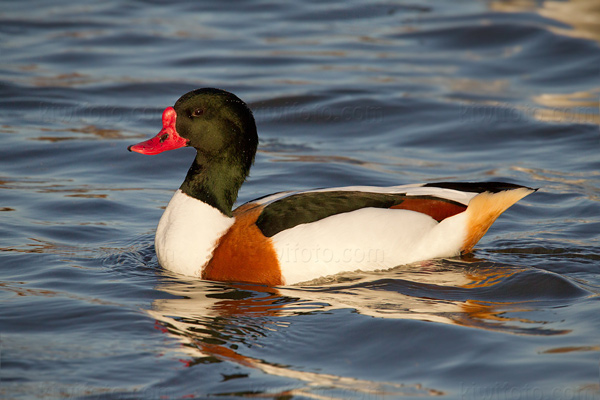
(297, 236)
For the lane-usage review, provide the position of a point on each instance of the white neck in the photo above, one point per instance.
(187, 234)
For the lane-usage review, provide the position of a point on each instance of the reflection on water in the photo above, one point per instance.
(578, 107)
(212, 322)
(582, 16)
(218, 322)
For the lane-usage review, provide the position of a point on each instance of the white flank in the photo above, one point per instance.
(187, 234)
(366, 239)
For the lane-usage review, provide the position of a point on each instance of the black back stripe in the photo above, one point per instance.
(303, 208)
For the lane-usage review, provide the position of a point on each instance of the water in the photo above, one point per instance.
(344, 93)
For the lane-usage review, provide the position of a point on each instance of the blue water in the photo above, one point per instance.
(344, 93)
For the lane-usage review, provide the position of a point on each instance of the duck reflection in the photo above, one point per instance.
(213, 320)
(468, 292)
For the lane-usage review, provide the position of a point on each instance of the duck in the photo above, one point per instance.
(292, 237)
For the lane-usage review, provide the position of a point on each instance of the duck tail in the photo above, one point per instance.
(484, 208)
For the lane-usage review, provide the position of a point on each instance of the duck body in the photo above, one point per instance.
(292, 237)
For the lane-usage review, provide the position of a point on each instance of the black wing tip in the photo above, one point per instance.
(479, 187)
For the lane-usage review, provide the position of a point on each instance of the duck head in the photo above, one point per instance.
(215, 122)
(222, 129)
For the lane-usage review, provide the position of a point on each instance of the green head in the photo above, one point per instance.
(221, 128)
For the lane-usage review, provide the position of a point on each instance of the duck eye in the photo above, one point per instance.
(197, 112)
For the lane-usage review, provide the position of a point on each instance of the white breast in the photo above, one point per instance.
(187, 234)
